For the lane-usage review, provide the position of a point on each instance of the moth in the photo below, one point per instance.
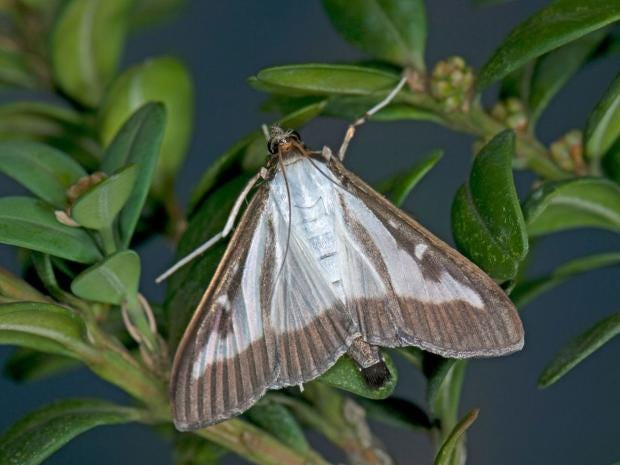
(321, 265)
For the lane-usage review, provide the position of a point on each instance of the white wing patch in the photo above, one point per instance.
(419, 251)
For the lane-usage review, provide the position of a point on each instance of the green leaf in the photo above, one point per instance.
(41, 433)
(30, 223)
(399, 187)
(487, 222)
(554, 69)
(111, 281)
(352, 107)
(580, 348)
(189, 449)
(138, 141)
(555, 25)
(97, 207)
(146, 12)
(26, 365)
(611, 162)
(346, 375)
(325, 79)
(450, 445)
(59, 127)
(603, 126)
(391, 30)
(575, 203)
(187, 285)
(14, 70)
(43, 170)
(524, 292)
(277, 420)
(247, 151)
(87, 44)
(164, 80)
(397, 412)
(45, 327)
(437, 370)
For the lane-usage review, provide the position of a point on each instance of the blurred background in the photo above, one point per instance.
(223, 43)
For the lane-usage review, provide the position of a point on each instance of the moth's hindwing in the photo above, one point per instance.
(407, 287)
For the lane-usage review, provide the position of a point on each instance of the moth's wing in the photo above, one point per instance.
(406, 287)
(311, 325)
(227, 357)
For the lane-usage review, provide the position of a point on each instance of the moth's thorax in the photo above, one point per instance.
(311, 212)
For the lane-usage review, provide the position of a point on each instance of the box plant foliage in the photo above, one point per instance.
(100, 164)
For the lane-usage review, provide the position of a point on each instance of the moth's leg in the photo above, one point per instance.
(362, 119)
(371, 364)
(222, 234)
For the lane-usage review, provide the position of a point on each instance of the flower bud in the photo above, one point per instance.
(567, 152)
(452, 84)
(512, 113)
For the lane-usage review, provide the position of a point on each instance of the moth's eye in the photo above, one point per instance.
(272, 146)
(295, 135)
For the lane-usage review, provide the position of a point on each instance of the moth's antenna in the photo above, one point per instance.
(221, 235)
(362, 119)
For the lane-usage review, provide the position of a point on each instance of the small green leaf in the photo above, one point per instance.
(487, 222)
(437, 370)
(555, 25)
(603, 126)
(611, 162)
(15, 288)
(325, 79)
(61, 128)
(187, 285)
(397, 412)
(43, 170)
(391, 30)
(14, 70)
(244, 154)
(146, 12)
(576, 203)
(41, 433)
(524, 292)
(164, 80)
(450, 445)
(30, 223)
(87, 44)
(44, 327)
(554, 69)
(346, 375)
(189, 449)
(111, 281)
(580, 348)
(97, 207)
(399, 187)
(25, 365)
(277, 420)
(138, 141)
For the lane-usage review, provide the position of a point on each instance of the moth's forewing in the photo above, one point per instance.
(434, 298)
(212, 380)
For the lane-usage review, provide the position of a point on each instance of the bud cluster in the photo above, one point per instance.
(567, 152)
(452, 83)
(511, 112)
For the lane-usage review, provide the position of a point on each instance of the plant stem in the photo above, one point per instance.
(343, 422)
(107, 240)
(257, 446)
(530, 152)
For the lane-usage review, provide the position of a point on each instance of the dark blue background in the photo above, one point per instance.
(573, 422)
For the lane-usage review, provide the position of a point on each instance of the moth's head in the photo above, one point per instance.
(282, 141)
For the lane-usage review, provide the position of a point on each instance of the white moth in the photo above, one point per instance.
(321, 265)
